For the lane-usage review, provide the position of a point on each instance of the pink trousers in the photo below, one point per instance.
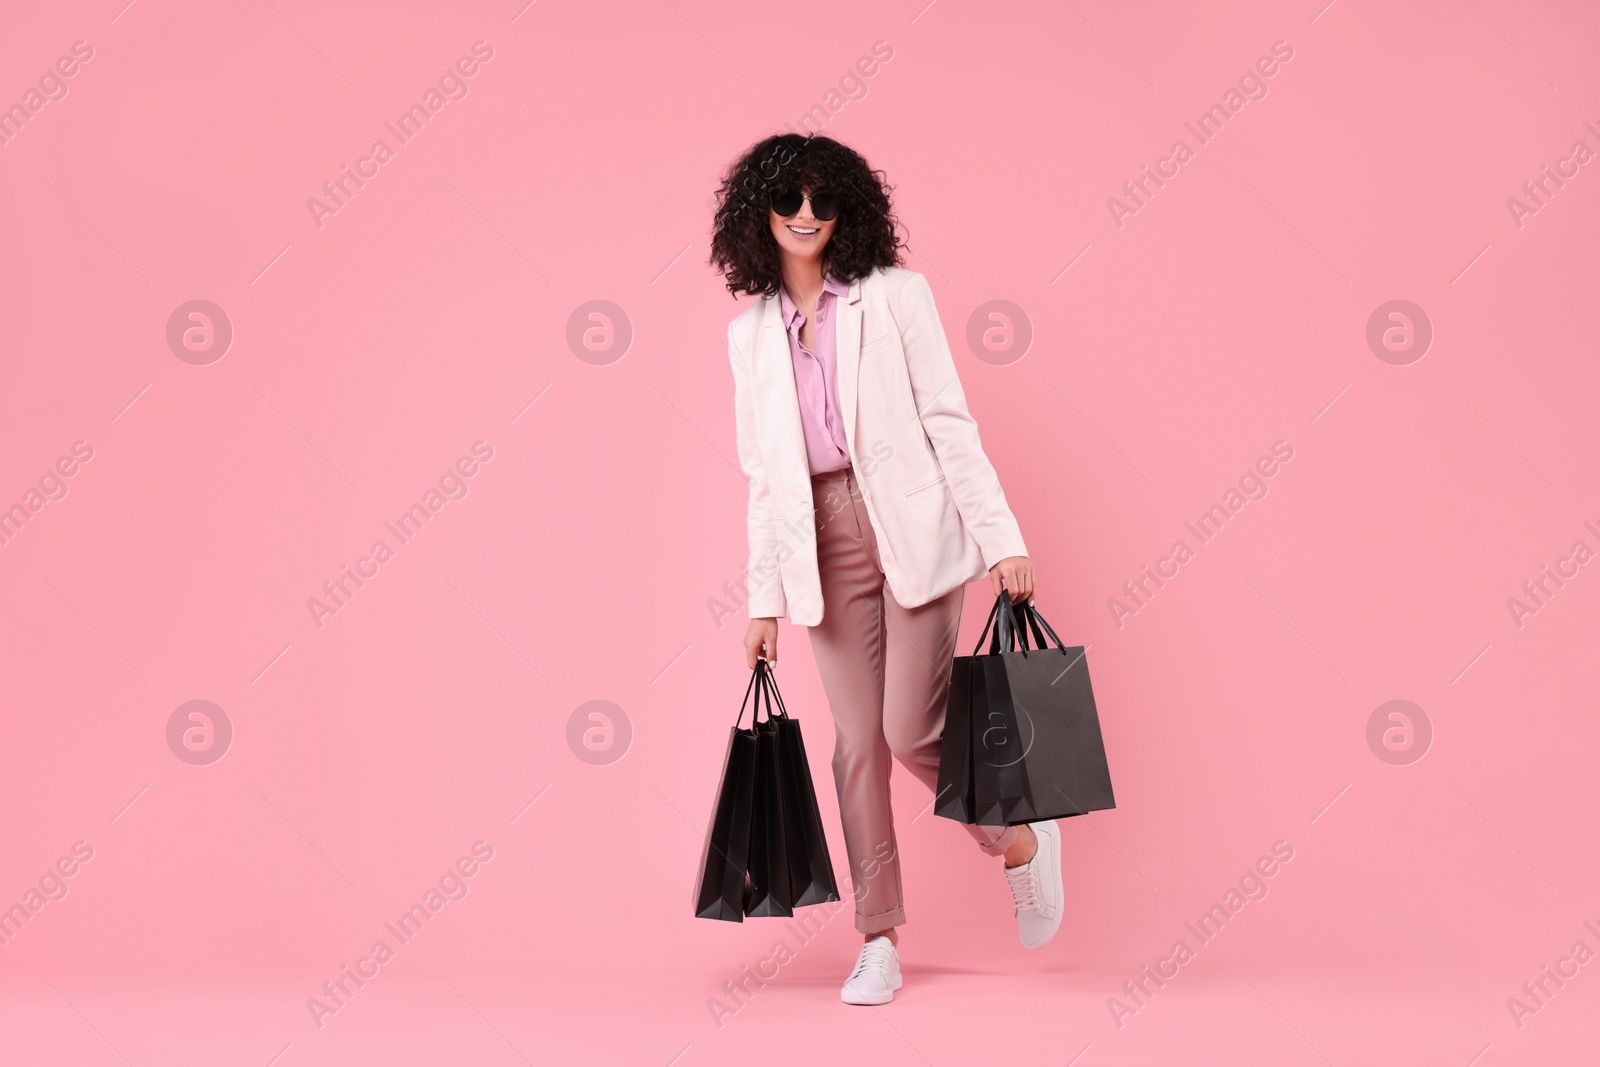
(885, 669)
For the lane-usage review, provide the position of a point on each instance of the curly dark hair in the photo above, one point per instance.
(743, 250)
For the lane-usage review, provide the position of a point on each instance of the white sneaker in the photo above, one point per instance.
(877, 974)
(1036, 888)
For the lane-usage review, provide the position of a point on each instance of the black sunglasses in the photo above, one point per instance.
(825, 206)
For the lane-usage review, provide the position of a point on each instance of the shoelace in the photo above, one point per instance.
(874, 957)
(1024, 887)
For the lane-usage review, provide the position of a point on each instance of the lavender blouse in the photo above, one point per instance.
(816, 377)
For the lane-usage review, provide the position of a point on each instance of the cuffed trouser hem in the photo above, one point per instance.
(1001, 843)
(884, 920)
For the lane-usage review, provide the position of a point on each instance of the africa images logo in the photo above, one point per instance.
(337, 192)
(1252, 85)
(452, 485)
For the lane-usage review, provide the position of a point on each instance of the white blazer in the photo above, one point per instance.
(931, 494)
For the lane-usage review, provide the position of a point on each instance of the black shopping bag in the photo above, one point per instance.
(724, 864)
(811, 876)
(768, 891)
(1022, 738)
(954, 800)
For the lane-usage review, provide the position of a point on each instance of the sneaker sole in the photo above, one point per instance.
(1050, 877)
(869, 999)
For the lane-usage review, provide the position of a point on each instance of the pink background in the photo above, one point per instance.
(368, 754)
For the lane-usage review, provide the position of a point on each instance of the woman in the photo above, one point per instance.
(872, 503)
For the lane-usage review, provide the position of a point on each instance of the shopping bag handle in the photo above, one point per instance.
(1028, 613)
(1037, 620)
(993, 612)
(1003, 617)
(758, 685)
(1011, 628)
(773, 694)
(1004, 636)
(764, 685)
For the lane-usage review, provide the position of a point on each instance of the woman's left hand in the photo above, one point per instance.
(1015, 575)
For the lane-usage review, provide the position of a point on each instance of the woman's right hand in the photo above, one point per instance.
(761, 641)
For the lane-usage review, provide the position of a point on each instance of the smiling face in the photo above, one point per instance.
(803, 235)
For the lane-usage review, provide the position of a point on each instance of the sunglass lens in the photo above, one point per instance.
(787, 204)
(825, 206)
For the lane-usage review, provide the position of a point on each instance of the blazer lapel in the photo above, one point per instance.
(849, 359)
(776, 369)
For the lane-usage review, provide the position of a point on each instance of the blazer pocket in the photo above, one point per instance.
(924, 488)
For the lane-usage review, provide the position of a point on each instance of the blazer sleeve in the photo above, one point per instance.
(951, 429)
(764, 584)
